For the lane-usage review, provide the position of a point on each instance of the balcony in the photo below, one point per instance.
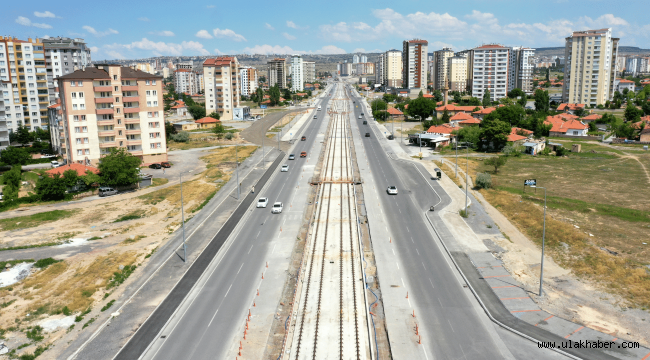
(103, 100)
(131, 120)
(132, 132)
(130, 98)
(102, 122)
(105, 111)
(103, 88)
(135, 152)
(134, 142)
(130, 88)
(102, 133)
(107, 144)
(130, 110)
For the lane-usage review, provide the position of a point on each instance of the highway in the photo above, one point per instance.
(207, 322)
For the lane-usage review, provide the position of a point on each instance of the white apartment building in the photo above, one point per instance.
(63, 56)
(23, 78)
(392, 68)
(309, 71)
(440, 71)
(490, 71)
(248, 80)
(221, 86)
(414, 67)
(379, 70)
(111, 106)
(636, 65)
(590, 68)
(4, 131)
(185, 81)
(355, 59)
(363, 59)
(521, 71)
(277, 73)
(457, 73)
(297, 75)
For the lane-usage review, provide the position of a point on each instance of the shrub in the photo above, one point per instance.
(44, 263)
(561, 151)
(182, 136)
(229, 136)
(483, 181)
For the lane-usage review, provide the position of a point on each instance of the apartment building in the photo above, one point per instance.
(414, 64)
(348, 69)
(247, 80)
(365, 68)
(221, 86)
(490, 71)
(55, 121)
(440, 70)
(392, 68)
(63, 56)
(200, 82)
(379, 70)
(277, 73)
(297, 75)
(187, 65)
(309, 71)
(636, 65)
(521, 69)
(185, 81)
(24, 83)
(355, 59)
(590, 68)
(111, 106)
(457, 73)
(4, 131)
(363, 59)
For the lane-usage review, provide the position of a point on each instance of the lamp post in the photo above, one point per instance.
(541, 269)
(183, 218)
(237, 171)
(466, 176)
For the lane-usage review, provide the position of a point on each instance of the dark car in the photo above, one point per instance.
(365, 122)
(165, 164)
(303, 138)
(367, 134)
(155, 166)
(390, 137)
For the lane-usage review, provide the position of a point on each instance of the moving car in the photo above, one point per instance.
(362, 114)
(262, 202)
(392, 190)
(285, 168)
(315, 116)
(155, 166)
(367, 134)
(303, 154)
(106, 191)
(360, 117)
(365, 122)
(165, 164)
(292, 156)
(277, 208)
(303, 138)
(319, 108)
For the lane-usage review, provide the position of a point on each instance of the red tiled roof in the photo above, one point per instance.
(266, 102)
(592, 117)
(625, 81)
(515, 137)
(417, 41)
(394, 111)
(566, 116)
(491, 46)
(54, 106)
(484, 111)
(206, 120)
(428, 96)
(645, 119)
(514, 130)
(220, 61)
(565, 106)
(441, 129)
(562, 126)
(181, 70)
(79, 168)
(179, 104)
(460, 116)
(470, 121)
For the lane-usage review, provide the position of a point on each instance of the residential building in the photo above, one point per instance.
(561, 126)
(165, 72)
(355, 59)
(200, 82)
(63, 56)
(621, 84)
(56, 127)
(636, 65)
(590, 68)
(297, 78)
(348, 69)
(521, 70)
(365, 68)
(620, 64)
(277, 73)
(440, 72)
(490, 70)
(379, 70)
(309, 71)
(248, 80)
(23, 76)
(392, 68)
(185, 81)
(414, 64)
(189, 65)
(4, 131)
(111, 106)
(146, 67)
(222, 86)
(457, 73)
(363, 59)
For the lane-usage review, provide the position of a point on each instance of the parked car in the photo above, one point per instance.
(55, 164)
(277, 208)
(262, 202)
(285, 168)
(367, 134)
(365, 122)
(165, 164)
(392, 190)
(292, 156)
(303, 154)
(155, 166)
(360, 117)
(106, 191)
(303, 138)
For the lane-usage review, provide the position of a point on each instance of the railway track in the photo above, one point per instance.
(331, 310)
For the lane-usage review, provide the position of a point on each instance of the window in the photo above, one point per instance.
(79, 152)
(74, 106)
(114, 77)
(84, 129)
(155, 103)
(83, 117)
(155, 93)
(117, 99)
(80, 83)
(87, 151)
(147, 82)
(82, 106)
(155, 114)
(75, 117)
(81, 94)
(77, 129)
(148, 103)
(78, 141)
(148, 93)
(73, 95)
(153, 82)
(149, 114)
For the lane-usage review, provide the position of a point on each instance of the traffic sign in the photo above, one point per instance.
(530, 182)
(262, 106)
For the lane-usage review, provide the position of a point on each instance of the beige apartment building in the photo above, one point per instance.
(309, 71)
(414, 64)
(185, 81)
(277, 73)
(248, 80)
(457, 73)
(491, 71)
(440, 68)
(392, 68)
(221, 86)
(111, 106)
(590, 67)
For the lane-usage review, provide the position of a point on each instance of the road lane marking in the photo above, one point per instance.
(397, 266)
(425, 268)
(431, 283)
(258, 233)
(215, 314)
(417, 251)
(228, 290)
(440, 302)
(403, 282)
(452, 328)
(249, 250)
(273, 248)
(242, 265)
(394, 252)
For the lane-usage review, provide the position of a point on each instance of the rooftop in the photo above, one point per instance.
(79, 168)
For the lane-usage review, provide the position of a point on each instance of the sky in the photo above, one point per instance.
(134, 29)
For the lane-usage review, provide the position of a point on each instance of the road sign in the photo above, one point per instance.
(530, 182)
(262, 106)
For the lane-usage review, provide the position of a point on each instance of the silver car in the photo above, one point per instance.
(285, 168)
(392, 190)
(262, 202)
(277, 208)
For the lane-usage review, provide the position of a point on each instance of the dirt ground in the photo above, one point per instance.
(90, 280)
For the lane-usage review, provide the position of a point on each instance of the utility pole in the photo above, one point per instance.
(541, 269)
(183, 219)
(237, 171)
(263, 158)
(466, 177)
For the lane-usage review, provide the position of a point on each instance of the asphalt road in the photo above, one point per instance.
(203, 329)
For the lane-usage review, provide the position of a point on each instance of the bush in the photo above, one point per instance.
(510, 150)
(229, 136)
(44, 263)
(182, 136)
(561, 151)
(483, 181)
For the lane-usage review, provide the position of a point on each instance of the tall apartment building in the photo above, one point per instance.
(277, 73)
(414, 67)
(457, 73)
(348, 69)
(392, 68)
(200, 81)
(187, 65)
(185, 81)
(440, 71)
(221, 86)
(490, 71)
(379, 70)
(590, 68)
(521, 72)
(363, 59)
(4, 131)
(111, 106)
(309, 71)
(297, 75)
(636, 65)
(23, 75)
(355, 59)
(63, 56)
(248, 80)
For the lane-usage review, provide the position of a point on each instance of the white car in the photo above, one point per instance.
(262, 202)
(285, 168)
(277, 208)
(392, 190)
(360, 117)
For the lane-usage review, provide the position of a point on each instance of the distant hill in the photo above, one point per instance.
(622, 50)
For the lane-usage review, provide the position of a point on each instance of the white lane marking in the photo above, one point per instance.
(400, 210)
(412, 240)
(431, 283)
(403, 282)
(228, 290)
(417, 251)
(439, 302)
(425, 353)
(393, 252)
(452, 328)
(242, 265)
(425, 268)
(397, 266)
(215, 314)
(273, 248)
(407, 229)
(249, 250)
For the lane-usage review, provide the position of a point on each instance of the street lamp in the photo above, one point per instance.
(541, 270)
(466, 176)
(237, 171)
(183, 217)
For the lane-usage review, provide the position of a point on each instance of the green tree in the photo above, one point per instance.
(632, 113)
(15, 156)
(420, 94)
(625, 130)
(22, 135)
(119, 168)
(445, 117)
(522, 100)
(487, 101)
(274, 95)
(90, 178)
(70, 178)
(437, 96)
(473, 102)
(259, 94)
(496, 161)
(380, 115)
(542, 103)
(51, 188)
(169, 130)
(580, 112)
(548, 74)
(494, 132)
(515, 93)
(215, 115)
(197, 111)
(421, 107)
(389, 97)
(535, 83)
(512, 115)
(11, 179)
(218, 129)
(469, 134)
(378, 104)
(646, 108)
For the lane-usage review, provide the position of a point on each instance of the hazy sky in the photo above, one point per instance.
(135, 29)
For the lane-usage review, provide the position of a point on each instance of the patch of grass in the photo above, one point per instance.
(95, 238)
(31, 246)
(159, 181)
(151, 253)
(6, 304)
(68, 235)
(463, 213)
(80, 317)
(44, 263)
(24, 222)
(108, 305)
(120, 276)
(135, 238)
(66, 311)
(205, 202)
(35, 334)
(138, 214)
(3, 264)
